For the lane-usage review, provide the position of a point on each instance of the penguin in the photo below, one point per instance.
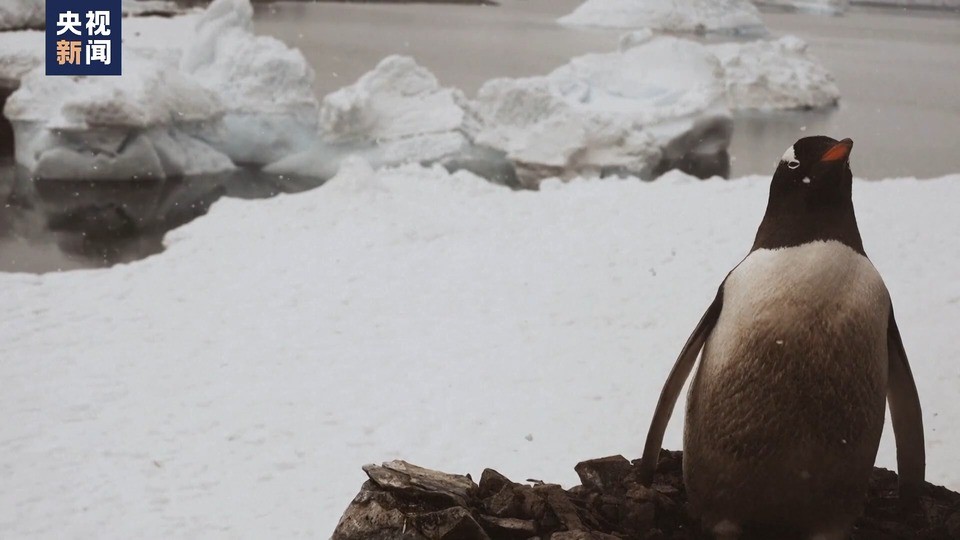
(800, 354)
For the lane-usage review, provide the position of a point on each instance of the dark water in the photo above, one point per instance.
(898, 72)
(50, 225)
(899, 78)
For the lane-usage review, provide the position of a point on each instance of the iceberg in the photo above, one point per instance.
(628, 112)
(396, 113)
(141, 125)
(266, 88)
(22, 14)
(819, 7)
(775, 75)
(31, 14)
(199, 94)
(696, 16)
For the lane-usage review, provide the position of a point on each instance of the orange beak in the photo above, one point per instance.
(839, 151)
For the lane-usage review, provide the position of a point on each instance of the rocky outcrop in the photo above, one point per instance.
(403, 501)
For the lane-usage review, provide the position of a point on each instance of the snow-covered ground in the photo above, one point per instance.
(698, 16)
(232, 386)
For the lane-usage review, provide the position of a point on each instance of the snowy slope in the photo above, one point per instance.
(232, 386)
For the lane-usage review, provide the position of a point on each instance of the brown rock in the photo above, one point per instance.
(406, 502)
(451, 524)
(401, 476)
(509, 527)
(506, 503)
(604, 474)
(373, 515)
(491, 482)
(558, 501)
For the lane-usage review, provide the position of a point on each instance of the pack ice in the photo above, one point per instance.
(396, 113)
(201, 93)
(225, 96)
(618, 112)
(697, 16)
(819, 7)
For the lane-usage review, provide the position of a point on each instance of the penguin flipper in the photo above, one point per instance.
(906, 416)
(673, 385)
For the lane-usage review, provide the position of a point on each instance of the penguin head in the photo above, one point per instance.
(815, 169)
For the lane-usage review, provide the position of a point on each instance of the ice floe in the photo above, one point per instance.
(21, 14)
(620, 112)
(775, 75)
(143, 124)
(397, 113)
(31, 14)
(657, 102)
(198, 94)
(266, 88)
(698, 16)
(820, 7)
(20, 52)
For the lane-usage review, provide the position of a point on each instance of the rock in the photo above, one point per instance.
(492, 482)
(403, 501)
(401, 476)
(509, 527)
(604, 474)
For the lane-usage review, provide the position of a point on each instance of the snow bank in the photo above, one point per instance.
(778, 74)
(820, 7)
(699, 16)
(619, 112)
(397, 113)
(238, 381)
(21, 14)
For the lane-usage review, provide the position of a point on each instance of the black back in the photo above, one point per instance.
(810, 199)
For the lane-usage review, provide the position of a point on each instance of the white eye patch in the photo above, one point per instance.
(789, 156)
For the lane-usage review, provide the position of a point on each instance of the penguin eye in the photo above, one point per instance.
(793, 164)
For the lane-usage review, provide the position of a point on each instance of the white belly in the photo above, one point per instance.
(785, 412)
(813, 293)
